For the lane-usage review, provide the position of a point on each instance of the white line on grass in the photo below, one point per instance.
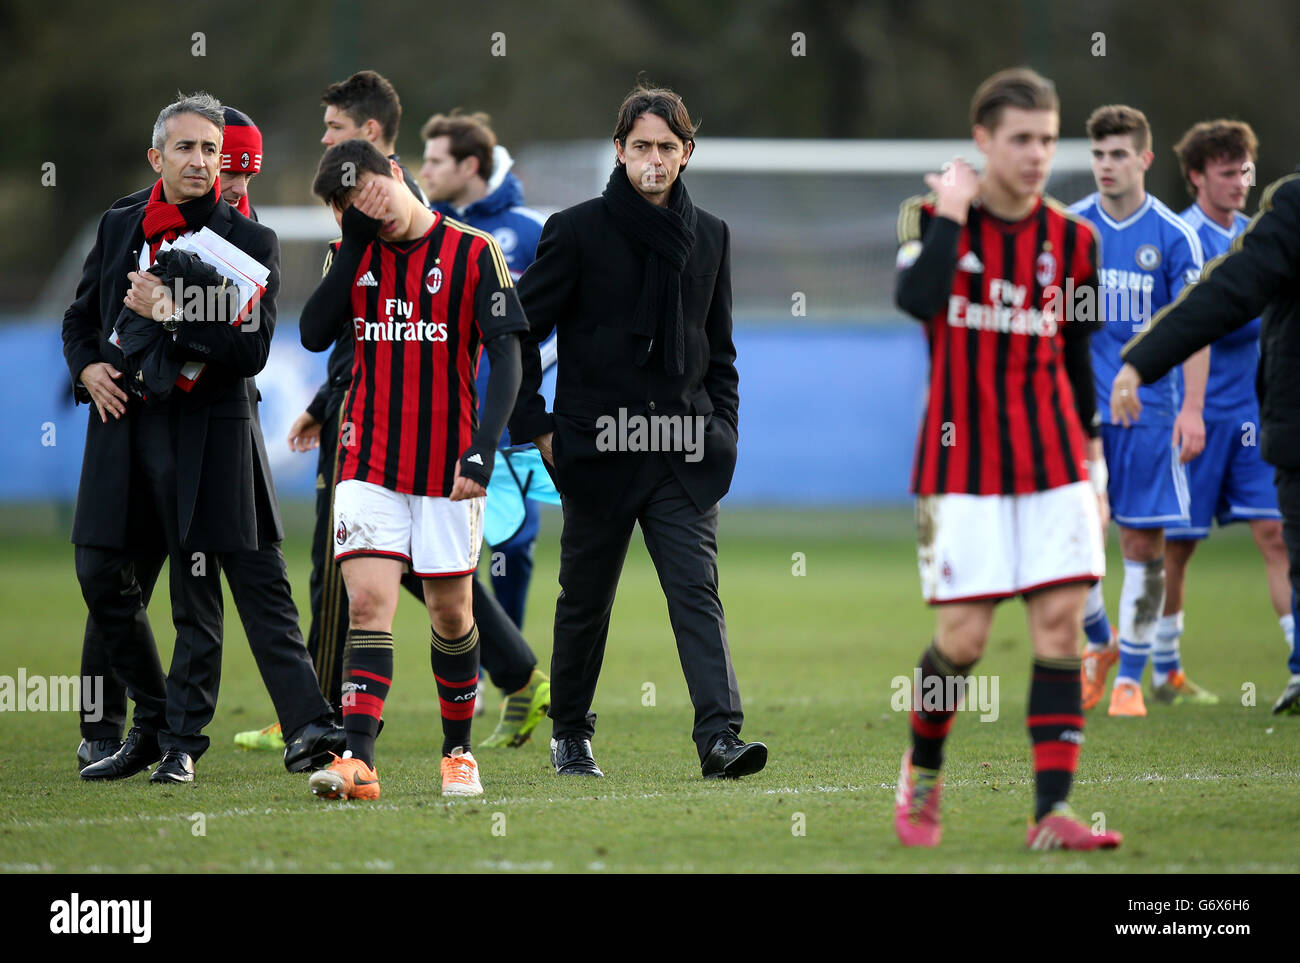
(333, 808)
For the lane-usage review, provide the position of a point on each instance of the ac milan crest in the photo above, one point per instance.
(1045, 269)
(433, 280)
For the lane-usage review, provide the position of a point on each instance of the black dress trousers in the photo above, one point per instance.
(682, 542)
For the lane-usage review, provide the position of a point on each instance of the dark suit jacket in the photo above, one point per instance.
(225, 499)
(586, 282)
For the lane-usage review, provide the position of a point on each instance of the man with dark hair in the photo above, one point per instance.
(1148, 254)
(1229, 482)
(182, 463)
(1008, 496)
(1256, 277)
(506, 655)
(363, 107)
(258, 578)
(419, 294)
(637, 282)
(366, 107)
(467, 175)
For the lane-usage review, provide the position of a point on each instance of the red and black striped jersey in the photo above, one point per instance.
(1002, 302)
(420, 311)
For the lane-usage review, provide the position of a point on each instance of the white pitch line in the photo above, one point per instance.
(332, 808)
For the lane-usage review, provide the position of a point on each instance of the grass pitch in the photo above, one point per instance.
(1193, 789)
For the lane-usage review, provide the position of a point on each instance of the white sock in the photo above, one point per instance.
(1143, 591)
(1288, 629)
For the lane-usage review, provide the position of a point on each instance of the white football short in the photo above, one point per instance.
(435, 536)
(985, 547)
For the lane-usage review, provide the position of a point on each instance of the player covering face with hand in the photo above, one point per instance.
(1007, 503)
(421, 293)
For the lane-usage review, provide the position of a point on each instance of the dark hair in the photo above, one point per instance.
(1214, 140)
(661, 102)
(469, 134)
(365, 95)
(1120, 119)
(340, 169)
(1017, 87)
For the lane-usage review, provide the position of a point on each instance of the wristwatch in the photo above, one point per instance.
(173, 320)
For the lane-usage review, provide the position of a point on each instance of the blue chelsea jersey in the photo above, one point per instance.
(1234, 358)
(1146, 260)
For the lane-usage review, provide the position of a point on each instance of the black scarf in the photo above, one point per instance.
(668, 233)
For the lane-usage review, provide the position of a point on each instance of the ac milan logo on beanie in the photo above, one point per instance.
(241, 143)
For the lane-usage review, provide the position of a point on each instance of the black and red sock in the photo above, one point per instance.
(455, 670)
(932, 717)
(1055, 728)
(367, 676)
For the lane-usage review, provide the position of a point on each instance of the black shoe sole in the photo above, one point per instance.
(751, 760)
(580, 772)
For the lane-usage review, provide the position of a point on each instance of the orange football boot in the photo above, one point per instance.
(346, 778)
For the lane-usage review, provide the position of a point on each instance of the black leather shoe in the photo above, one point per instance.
(572, 757)
(730, 758)
(312, 746)
(138, 753)
(92, 750)
(176, 766)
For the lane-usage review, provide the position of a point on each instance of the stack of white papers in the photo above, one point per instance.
(248, 274)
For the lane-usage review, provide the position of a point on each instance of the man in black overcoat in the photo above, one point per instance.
(183, 469)
(637, 282)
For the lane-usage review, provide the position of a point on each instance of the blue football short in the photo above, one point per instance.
(1229, 481)
(1148, 485)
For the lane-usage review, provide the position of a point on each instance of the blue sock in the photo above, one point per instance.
(1166, 660)
(1132, 661)
(1096, 627)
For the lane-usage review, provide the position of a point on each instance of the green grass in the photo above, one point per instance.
(1193, 789)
